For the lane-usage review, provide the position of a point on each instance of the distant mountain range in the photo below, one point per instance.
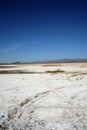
(54, 61)
(50, 61)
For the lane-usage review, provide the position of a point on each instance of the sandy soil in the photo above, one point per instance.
(44, 101)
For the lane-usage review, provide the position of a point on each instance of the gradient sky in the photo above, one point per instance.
(32, 30)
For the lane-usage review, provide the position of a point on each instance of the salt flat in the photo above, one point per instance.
(47, 97)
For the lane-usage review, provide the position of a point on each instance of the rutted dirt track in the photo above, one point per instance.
(44, 101)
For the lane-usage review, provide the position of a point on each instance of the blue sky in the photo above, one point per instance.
(32, 30)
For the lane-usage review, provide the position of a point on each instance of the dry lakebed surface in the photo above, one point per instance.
(43, 96)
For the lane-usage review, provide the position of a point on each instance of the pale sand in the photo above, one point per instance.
(44, 101)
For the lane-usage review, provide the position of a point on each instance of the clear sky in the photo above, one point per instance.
(32, 30)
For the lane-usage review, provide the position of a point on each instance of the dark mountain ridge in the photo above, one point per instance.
(50, 61)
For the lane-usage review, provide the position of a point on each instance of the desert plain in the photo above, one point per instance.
(43, 96)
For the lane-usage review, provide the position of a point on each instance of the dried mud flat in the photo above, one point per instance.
(43, 97)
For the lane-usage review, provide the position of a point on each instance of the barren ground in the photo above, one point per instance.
(43, 97)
